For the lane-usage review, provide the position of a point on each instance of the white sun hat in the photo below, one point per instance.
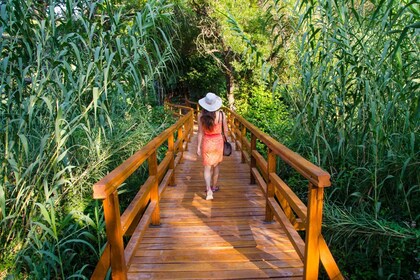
(211, 102)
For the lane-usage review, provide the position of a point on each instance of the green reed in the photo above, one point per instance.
(74, 86)
(354, 96)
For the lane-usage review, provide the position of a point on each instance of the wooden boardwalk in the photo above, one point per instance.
(225, 238)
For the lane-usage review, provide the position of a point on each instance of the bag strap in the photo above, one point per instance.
(223, 128)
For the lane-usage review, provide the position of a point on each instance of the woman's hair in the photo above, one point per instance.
(207, 119)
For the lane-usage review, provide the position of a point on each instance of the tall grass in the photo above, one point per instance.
(356, 112)
(358, 100)
(73, 85)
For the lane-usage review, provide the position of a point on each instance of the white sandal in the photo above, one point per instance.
(209, 195)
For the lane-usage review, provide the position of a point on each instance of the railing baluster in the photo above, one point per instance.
(253, 160)
(181, 144)
(271, 167)
(114, 236)
(313, 231)
(243, 135)
(154, 192)
(172, 163)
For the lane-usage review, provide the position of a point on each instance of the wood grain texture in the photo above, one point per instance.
(225, 238)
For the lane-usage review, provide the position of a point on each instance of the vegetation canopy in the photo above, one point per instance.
(82, 84)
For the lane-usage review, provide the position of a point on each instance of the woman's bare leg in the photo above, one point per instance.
(207, 177)
(215, 174)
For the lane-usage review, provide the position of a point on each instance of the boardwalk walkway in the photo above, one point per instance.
(225, 238)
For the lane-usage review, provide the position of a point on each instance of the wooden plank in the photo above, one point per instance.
(164, 164)
(165, 181)
(139, 233)
(178, 159)
(259, 180)
(216, 255)
(293, 200)
(297, 241)
(200, 193)
(263, 253)
(292, 273)
(266, 229)
(216, 238)
(285, 206)
(223, 244)
(215, 266)
(254, 201)
(328, 261)
(136, 205)
(229, 231)
(261, 164)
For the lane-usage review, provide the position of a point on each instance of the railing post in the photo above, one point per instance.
(196, 112)
(271, 167)
(115, 236)
(313, 231)
(243, 135)
(229, 123)
(235, 129)
(253, 161)
(186, 141)
(192, 122)
(154, 192)
(172, 162)
(181, 142)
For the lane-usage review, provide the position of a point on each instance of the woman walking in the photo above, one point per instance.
(210, 139)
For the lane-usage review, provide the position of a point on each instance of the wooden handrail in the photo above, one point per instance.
(309, 170)
(144, 209)
(281, 202)
(194, 105)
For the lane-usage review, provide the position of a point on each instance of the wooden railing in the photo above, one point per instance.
(194, 105)
(281, 201)
(144, 209)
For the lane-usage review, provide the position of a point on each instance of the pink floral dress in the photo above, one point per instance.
(212, 145)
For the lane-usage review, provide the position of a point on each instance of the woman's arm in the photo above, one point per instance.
(200, 135)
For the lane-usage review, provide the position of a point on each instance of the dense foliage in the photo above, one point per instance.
(355, 105)
(81, 83)
(358, 104)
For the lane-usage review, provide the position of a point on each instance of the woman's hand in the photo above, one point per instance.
(199, 151)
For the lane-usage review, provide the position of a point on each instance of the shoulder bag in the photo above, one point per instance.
(227, 147)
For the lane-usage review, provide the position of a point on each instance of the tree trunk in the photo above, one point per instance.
(230, 82)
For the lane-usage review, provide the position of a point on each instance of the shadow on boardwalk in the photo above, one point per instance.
(224, 238)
